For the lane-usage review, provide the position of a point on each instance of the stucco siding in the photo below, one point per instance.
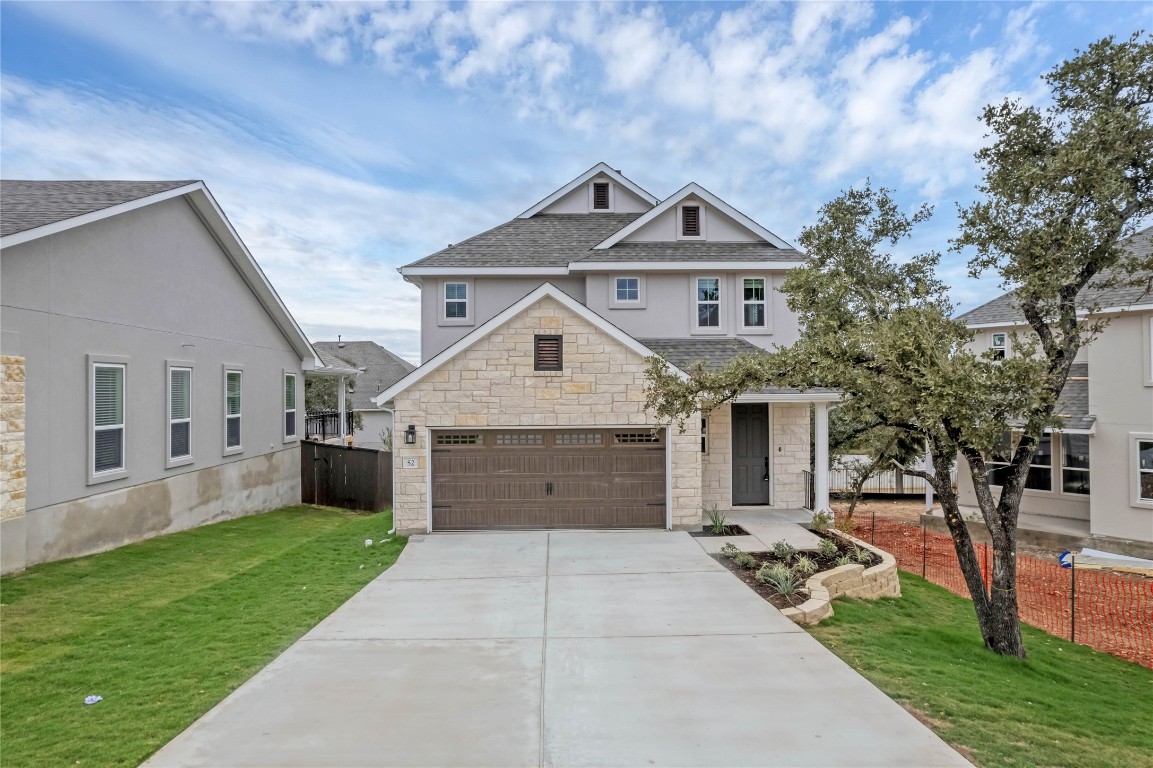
(493, 383)
(579, 200)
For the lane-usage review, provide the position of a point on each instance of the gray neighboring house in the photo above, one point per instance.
(152, 376)
(1092, 479)
(528, 410)
(377, 369)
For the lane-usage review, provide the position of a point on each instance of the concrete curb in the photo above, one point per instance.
(849, 581)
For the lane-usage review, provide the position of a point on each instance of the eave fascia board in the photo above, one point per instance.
(35, 233)
(490, 325)
(331, 371)
(1080, 313)
(213, 217)
(792, 397)
(597, 169)
(465, 271)
(682, 266)
(694, 189)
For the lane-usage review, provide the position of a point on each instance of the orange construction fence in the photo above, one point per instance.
(1109, 612)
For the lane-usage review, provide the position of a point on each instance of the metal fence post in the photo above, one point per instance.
(924, 545)
(1072, 599)
(873, 529)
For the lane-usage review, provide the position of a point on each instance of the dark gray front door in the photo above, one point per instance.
(750, 453)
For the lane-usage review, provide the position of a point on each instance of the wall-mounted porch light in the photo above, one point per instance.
(410, 435)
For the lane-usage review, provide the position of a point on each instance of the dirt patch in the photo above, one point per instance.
(707, 532)
(749, 576)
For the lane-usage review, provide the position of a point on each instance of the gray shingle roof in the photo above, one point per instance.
(545, 240)
(26, 205)
(694, 251)
(1073, 403)
(714, 353)
(382, 368)
(1003, 309)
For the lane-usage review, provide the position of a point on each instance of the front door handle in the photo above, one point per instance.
(765, 479)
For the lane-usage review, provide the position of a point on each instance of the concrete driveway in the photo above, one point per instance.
(559, 649)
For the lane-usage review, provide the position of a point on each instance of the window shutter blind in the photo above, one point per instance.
(109, 387)
(181, 393)
(289, 392)
(548, 353)
(233, 394)
(601, 195)
(691, 221)
(109, 450)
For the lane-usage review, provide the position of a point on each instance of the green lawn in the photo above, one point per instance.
(166, 628)
(1065, 706)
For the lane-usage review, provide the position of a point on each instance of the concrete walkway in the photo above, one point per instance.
(558, 649)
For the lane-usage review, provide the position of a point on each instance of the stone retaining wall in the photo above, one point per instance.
(848, 581)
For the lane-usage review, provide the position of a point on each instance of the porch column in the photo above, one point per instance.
(340, 387)
(821, 458)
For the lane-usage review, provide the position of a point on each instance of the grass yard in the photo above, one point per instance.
(1065, 706)
(166, 628)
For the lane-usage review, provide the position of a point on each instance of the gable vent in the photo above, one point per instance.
(601, 196)
(547, 353)
(691, 221)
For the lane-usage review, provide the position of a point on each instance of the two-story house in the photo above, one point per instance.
(1092, 479)
(528, 410)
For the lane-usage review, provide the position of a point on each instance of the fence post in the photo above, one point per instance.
(924, 545)
(1072, 599)
(873, 529)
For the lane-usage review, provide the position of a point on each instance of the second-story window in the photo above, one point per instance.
(998, 345)
(753, 302)
(708, 302)
(456, 301)
(628, 289)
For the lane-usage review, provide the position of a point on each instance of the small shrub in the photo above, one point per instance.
(862, 555)
(805, 565)
(772, 571)
(846, 560)
(828, 548)
(783, 550)
(745, 560)
(821, 522)
(780, 577)
(717, 521)
(730, 550)
(846, 525)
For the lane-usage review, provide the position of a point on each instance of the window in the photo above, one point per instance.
(753, 302)
(690, 221)
(520, 438)
(548, 353)
(636, 437)
(704, 435)
(628, 289)
(1074, 463)
(998, 461)
(708, 302)
(1145, 470)
(998, 345)
(1040, 477)
(577, 438)
(289, 406)
(456, 301)
(233, 380)
(601, 196)
(179, 413)
(107, 418)
(459, 440)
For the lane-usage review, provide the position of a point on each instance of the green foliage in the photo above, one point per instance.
(166, 628)
(805, 565)
(730, 550)
(320, 395)
(781, 578)
(745, 560)
(385, 437)
(862, 555)
(783, 550)
(828, 547)
(716, 518)
(846, 560)
(821, 522)
(1065, 706)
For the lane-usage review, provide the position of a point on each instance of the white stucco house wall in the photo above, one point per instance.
(528, 408)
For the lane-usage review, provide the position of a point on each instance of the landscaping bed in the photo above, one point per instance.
(709, 531)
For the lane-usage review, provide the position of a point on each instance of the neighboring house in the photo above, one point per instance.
(528, 410)
(1093, 478)
(377, 369)
(162, 375)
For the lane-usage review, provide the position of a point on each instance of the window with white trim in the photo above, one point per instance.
(179, 413)
(998, 344)
(233, 393)
(708, 301)
(1144, 470)
(628, 289)
(1040, 477)
(456, 301)
(107, 418)
(1074, 463)
(289, 406)
(753, 302)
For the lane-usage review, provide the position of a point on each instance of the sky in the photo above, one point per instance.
(344, 140)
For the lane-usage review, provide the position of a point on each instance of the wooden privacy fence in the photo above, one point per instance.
(339, 476)
(1108, 612)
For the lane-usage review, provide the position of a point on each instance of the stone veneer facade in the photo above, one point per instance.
(12, 470)
(789, 424)
(493, 384)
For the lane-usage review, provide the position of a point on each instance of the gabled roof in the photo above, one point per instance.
(695, 190)
(381, 368)
(688, 251)
(483, 330)
(599, 168)
(1003, 310)
(35, 209)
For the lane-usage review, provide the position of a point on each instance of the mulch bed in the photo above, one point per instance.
(748, 575)
(706, 532)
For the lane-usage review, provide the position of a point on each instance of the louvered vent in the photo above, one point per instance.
(548, 353)
(691, 221)
(601, 196)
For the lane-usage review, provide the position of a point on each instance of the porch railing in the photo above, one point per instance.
(321, 425)
(810, 490)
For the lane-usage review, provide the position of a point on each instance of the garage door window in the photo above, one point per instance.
(578, 438)
(636, 437)
(459, 440)
(522, 438)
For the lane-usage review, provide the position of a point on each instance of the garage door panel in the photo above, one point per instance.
(519, 490)
(444, 464)
(642, 490)
(456, 490)
(519, 464)
(638, 463)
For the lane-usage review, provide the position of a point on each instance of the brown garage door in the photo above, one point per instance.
(563, 478)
